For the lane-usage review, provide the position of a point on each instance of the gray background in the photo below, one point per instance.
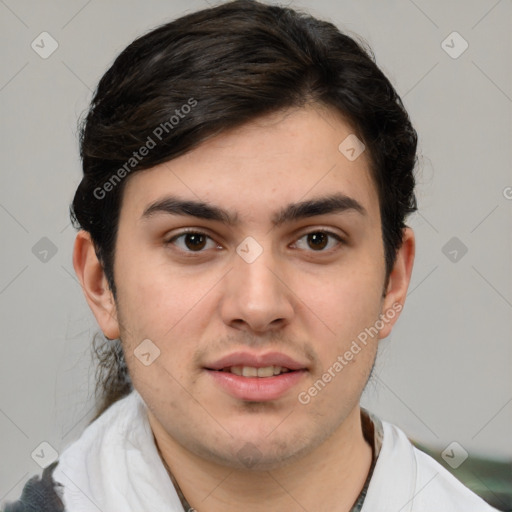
(444, 374)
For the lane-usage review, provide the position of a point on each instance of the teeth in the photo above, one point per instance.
(266, 372)
(249, 371)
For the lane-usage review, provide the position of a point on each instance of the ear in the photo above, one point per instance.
(398, 282)
(89, 271)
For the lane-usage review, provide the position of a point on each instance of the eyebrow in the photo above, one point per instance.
(337, 203)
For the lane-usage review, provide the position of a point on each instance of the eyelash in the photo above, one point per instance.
(190, 253)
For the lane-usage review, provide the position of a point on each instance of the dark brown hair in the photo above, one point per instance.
(216, 69)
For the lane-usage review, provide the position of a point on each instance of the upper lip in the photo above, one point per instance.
(256, 361)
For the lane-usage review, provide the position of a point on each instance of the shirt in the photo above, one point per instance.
(115, 467)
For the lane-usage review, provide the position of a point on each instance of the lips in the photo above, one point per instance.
(256, 377)
(251, 371)
(246, 359)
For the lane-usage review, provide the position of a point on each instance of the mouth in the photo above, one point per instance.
(256, 377)
(252, 371)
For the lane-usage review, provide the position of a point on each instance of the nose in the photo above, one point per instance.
(256, 296)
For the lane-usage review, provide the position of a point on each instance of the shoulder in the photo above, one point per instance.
(39, 494)
(48, 492)
(409, 480)
(442, 489)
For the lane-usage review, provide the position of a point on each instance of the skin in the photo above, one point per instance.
(294, 298)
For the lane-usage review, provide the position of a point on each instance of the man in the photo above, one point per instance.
(247, 175)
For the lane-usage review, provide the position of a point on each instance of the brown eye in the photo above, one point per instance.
(195, 241)
(318, 241)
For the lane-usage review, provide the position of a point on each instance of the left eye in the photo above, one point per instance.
(193, 242)
(318, 241)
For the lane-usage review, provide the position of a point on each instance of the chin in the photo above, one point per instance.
(260, 452)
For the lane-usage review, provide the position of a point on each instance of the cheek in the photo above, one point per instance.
(345, 300)
(156, 299)
(344, 309)
(174, 312)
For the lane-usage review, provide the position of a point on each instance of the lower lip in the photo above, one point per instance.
(256, 389)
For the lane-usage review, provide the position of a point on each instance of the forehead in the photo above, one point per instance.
(254, 169)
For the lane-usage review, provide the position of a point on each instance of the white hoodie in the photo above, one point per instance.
(115, 467)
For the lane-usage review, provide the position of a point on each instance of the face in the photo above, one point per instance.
(252, 264)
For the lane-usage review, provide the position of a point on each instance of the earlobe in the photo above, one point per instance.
(398, 283)
(91, 275)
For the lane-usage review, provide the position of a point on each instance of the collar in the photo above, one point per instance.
(119, 448)
(373, 432)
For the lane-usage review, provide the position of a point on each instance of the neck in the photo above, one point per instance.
(328, 479)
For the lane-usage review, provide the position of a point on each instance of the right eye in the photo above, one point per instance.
(192, 241)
